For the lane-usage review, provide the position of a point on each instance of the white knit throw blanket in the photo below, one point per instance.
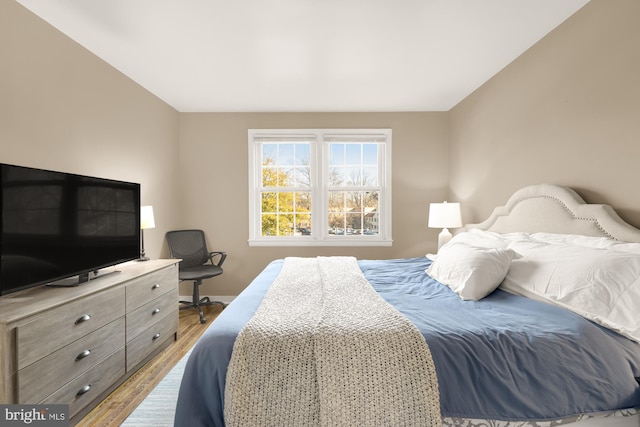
(324, 349)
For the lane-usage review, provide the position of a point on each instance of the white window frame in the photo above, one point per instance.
(319, 189)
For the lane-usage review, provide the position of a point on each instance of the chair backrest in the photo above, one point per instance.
(188, 245)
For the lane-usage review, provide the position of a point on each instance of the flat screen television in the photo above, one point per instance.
(58, 225)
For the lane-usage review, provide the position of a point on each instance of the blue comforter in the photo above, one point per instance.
(505, 357)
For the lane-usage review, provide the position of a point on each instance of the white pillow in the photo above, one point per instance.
(471, 272)
(487, 239)
(586, 241)
(600, 284)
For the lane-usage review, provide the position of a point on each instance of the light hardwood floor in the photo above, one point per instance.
(112, 411)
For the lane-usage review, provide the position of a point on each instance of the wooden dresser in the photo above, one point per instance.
(75, 345)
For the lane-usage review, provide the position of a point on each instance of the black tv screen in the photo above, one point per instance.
(58, 225)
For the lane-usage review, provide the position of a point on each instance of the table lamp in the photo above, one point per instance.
(146, 221)
(444, 215)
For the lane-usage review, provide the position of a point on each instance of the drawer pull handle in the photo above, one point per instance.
(83, 390)
(82, 355)
(155, 311)
(156, 336)
(155, 286)
(82, 318)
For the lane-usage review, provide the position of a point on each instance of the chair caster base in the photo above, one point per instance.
(201, 303)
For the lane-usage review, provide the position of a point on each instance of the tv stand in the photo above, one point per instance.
(83, 278)
(80, 279)
(74, 345)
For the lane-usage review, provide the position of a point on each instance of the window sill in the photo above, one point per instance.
(328, 242)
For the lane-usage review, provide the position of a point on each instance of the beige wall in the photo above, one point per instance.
(214, 184)
(565, 112)
(63, 108)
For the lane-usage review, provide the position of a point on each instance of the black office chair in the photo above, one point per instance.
(197, 264)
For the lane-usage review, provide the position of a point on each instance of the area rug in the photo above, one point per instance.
(159, 407)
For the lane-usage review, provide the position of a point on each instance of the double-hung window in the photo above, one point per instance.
(320, 187)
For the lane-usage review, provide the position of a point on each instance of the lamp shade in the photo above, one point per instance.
(146, 217)
(444, 215)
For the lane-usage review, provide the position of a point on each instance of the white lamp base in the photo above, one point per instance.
(444, 236)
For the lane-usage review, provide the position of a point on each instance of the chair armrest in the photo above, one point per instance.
(222, 255)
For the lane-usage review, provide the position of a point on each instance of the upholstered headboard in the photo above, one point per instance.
(556, 209)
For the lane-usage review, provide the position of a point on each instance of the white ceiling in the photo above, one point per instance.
(307, 55)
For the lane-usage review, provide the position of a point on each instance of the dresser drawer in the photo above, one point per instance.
(151, 339)
(60, 326)
(88, 386)
(145, 288)
(40, 379)
(143, 317)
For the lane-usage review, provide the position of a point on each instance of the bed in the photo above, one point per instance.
(541, 350)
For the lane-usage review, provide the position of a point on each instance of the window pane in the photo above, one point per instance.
(269, 176)
(277, 176)
(277, 225)
(354, 165)
(353, 152)
(269, 154)
(303, 202)
(336, 156)
(370, 154)
(285, 202)
(303, 221)
(285, 177)
(286, 165)
(285, 154)
(336, 177)
(354, 177)
(370, 209)
(336, 224)
(301, 177)
(370, 176)
(302, 214)
(286, 213)
(370, 200)
(285, 225)
(269, 202)
(354, 223)
(353, 213)
(354, 201)
(269, 224)
(336, 201)
(303, 154)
